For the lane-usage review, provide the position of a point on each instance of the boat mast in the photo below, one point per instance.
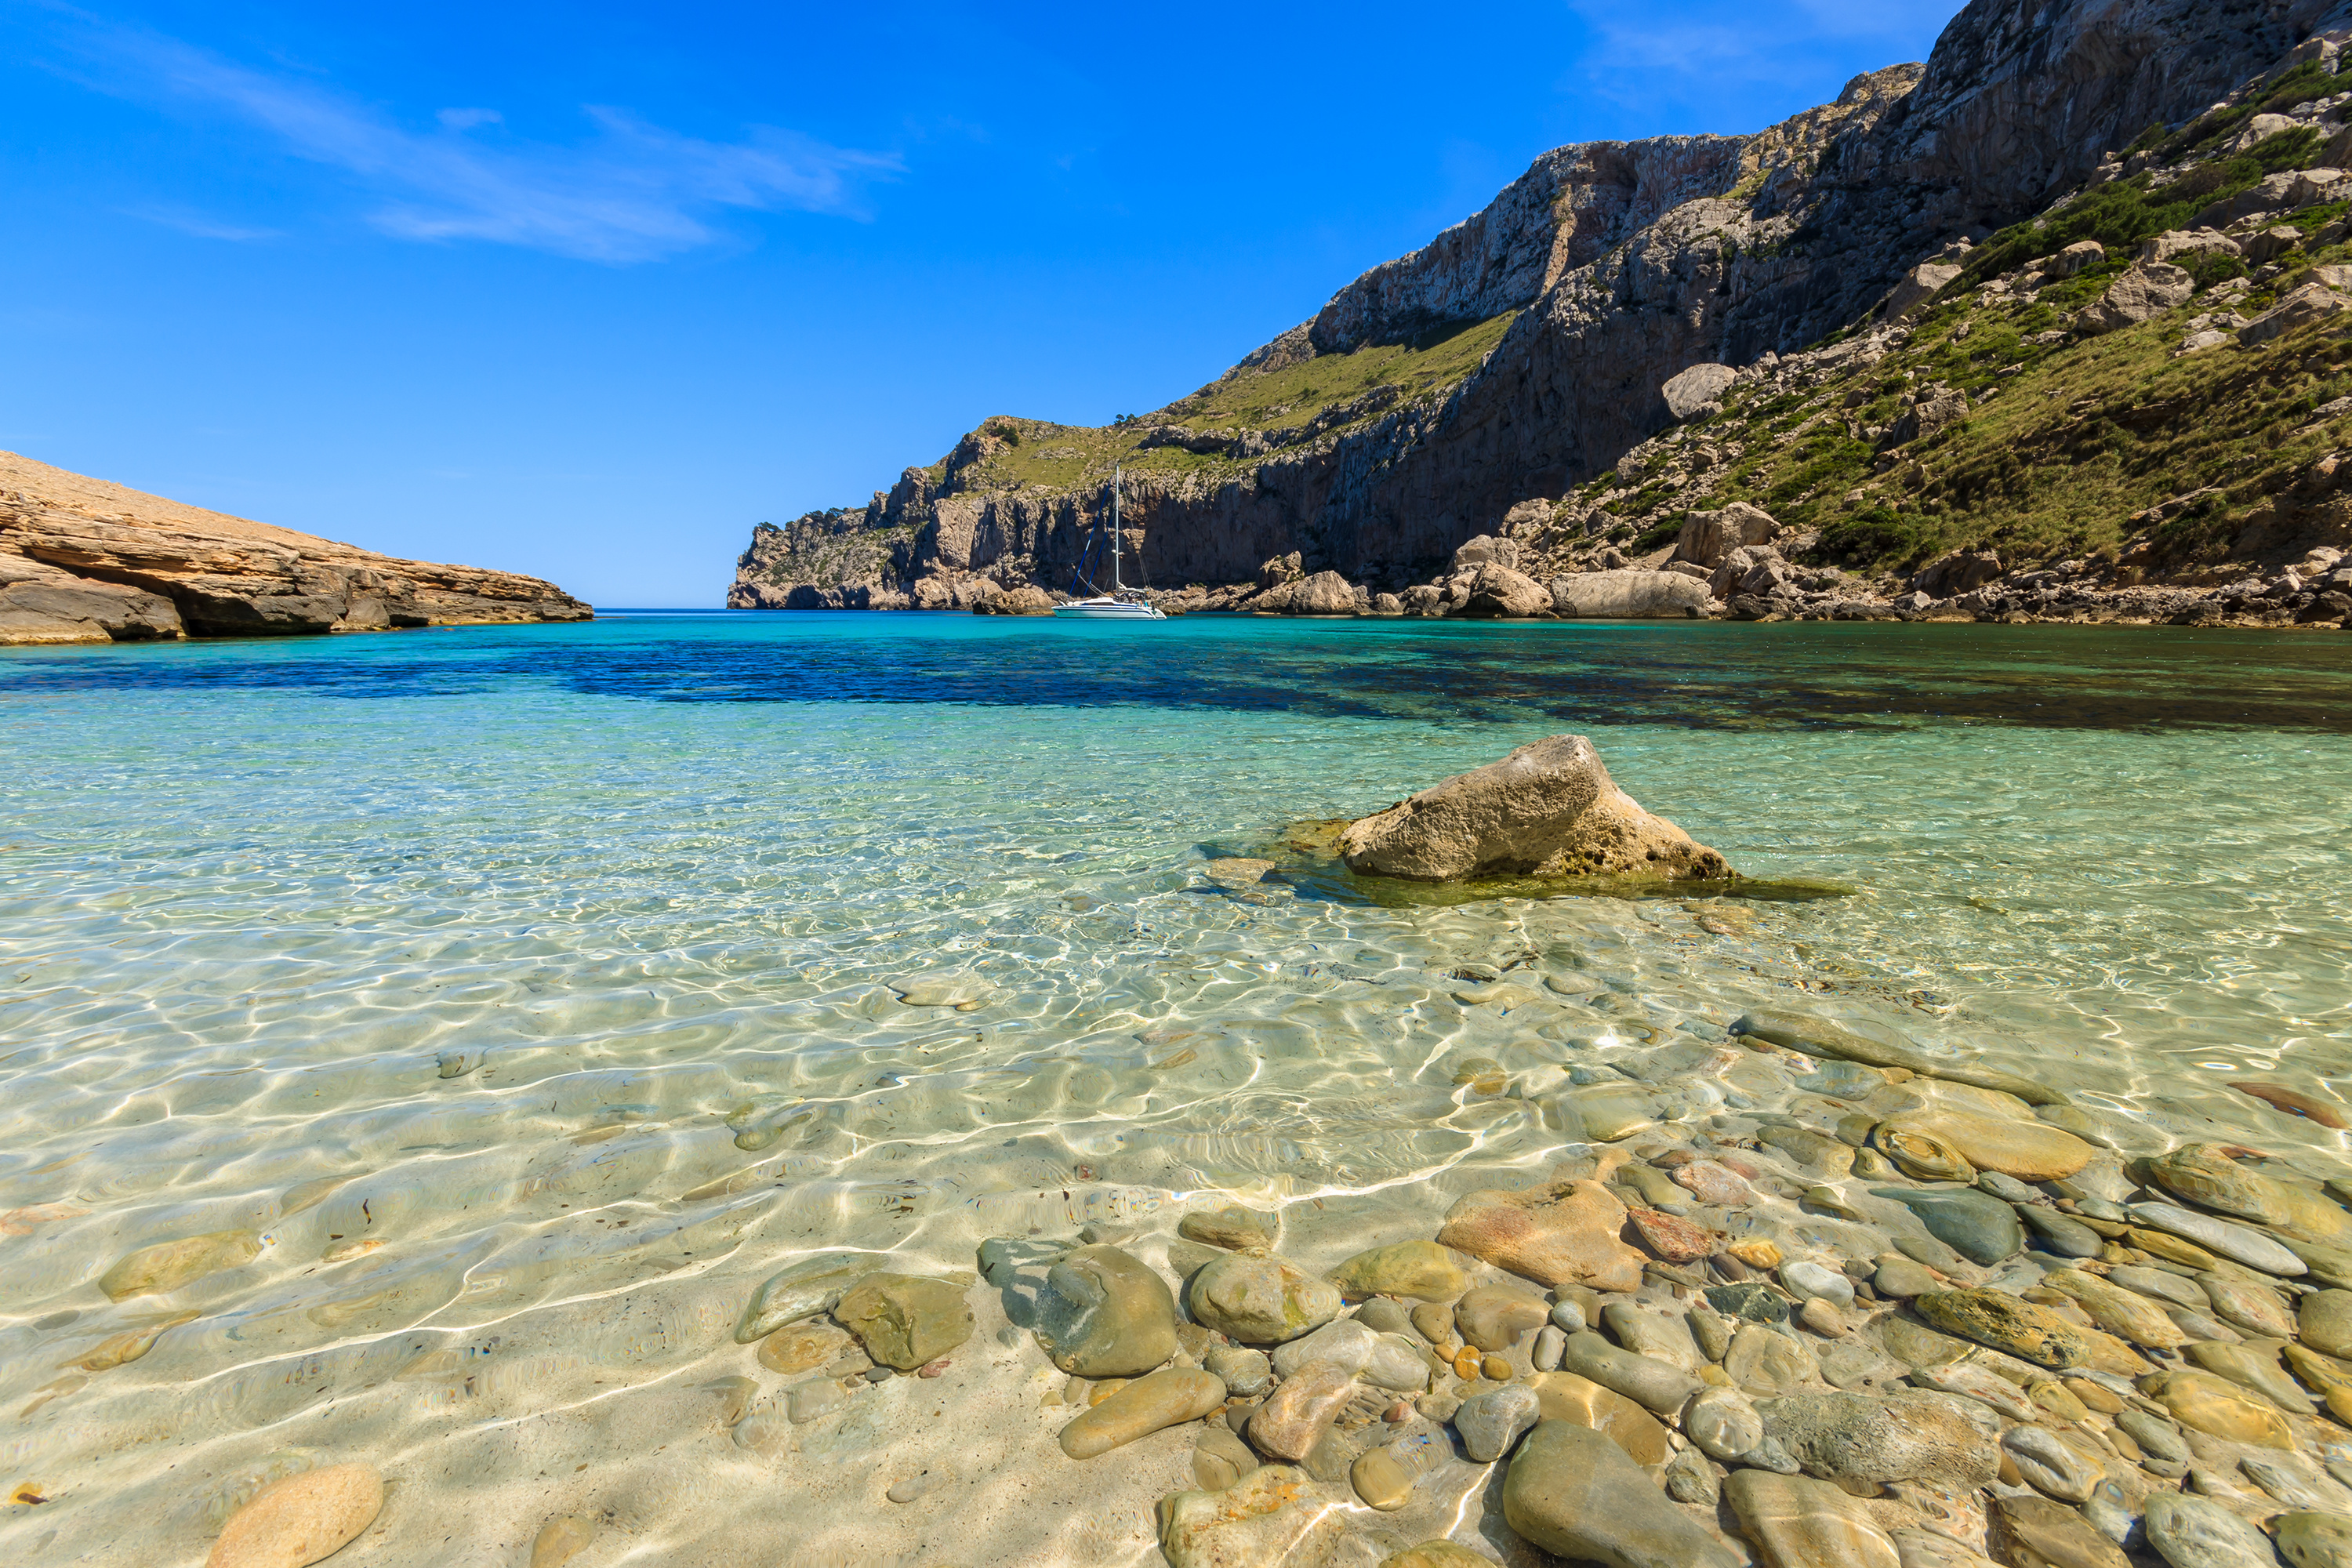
(1115, 584)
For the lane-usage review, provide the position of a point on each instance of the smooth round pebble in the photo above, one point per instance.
(293, 1522)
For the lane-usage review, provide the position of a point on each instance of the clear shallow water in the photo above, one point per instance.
(646, 883)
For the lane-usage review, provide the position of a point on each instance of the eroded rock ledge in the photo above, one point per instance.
(85, 561)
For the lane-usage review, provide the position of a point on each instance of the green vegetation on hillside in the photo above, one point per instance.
(1337, 389)
(2074, 439)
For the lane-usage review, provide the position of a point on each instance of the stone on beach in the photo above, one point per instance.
(2219, 1409)
(2048, 1465)
(2036, 1531)
(1384, 1477)
(1270, 1515)
(1143, 1406)
(2028, 1151)
(1563, 1233)
(2124, 1313)
(1911, 1435)
(2203, 1175)
(1659, 1385)
(2199, 1532)
(2028, 1331)
(1436, 1554)
(1344, 1343)
(1491, 1421)
(1817, 1037)
(1795, 1522)
(1300, 1410)
(1980, 1228)
(1261, 1301)
(1235, 1228)
(803, 1347)
(1564, 1396)
(2314, 1540)
(2254, 1367)
(1574, 1493)
(1549, 809)
(2324, 1320)
(1496, 1317)
(1420, 1269)
(1671, 1237)
(300, 1519)
(903, 1319)
(812, 1286)
(560, 1540)
(1103, 1313)
(2236, 1242)
(168, 1265)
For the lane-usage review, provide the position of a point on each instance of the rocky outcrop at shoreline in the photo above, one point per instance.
(85, 561)
(1827, 321)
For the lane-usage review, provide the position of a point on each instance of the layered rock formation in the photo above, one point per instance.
(85, 561)
(1525, 352)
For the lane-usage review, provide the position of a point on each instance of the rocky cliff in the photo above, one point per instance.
(1493, 381)
(85, 561)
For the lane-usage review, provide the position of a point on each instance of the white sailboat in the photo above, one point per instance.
(1122, 602)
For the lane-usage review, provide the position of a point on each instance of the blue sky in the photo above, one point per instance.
(588, 290)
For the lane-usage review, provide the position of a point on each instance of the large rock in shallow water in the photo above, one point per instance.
(1549, 809)
(1574, 1493)
(1628, 593)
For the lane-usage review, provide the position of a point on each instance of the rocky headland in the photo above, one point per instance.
(2051, 327)
(85, 561)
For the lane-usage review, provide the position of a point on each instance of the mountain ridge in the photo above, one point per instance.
(1599, 275)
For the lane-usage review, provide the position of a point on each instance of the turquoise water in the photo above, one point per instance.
(644, 888)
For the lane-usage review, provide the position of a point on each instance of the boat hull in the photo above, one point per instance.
(1106, 610)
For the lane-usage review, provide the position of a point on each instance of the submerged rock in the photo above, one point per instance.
(1799, 1524)
(1496, 1317)
(1261, 1301)
(1270, 1515)
(2203, 1175)
(2026, 1330)
(903, 1320)
(2197, 1532)
(2027, 1150)
(1300, 1410)
(1549, 809)
(1564, 1233)
(1577, 1495)
(1980, 1228)
(168, 1265)
(1817, 1037)
(1105, 1314)
(812, 1286)
(300, 1519)
(1143, 1406)
(1421, 1269)
(1564, 1396)
(1911, 1435)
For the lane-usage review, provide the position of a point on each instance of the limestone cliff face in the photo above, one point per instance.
(1617, 265)
(85, 561)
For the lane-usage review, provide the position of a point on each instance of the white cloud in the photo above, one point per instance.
(629, 191)
(1700, 51)
(188, 220)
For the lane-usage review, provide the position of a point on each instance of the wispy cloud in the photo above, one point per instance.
(1705, 51)
(628, 192)
(189, 221)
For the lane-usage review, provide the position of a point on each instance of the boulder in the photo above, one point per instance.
(1324, 594)
(1940, 410)
(1629, 594)
(1911, 1435)
(1421, 1269)
(1574, 1493)
(1105, 1314)
(2312, 302)
(1699, 390)
(1260, 1301)
(1708, 536)
(1499, 593)
(2185, 242)
(2145, 289)
(1799, 1524)
(2079, 257)
(1549, 809)
(1486, 549)
(1271, 1515)
(1957, 572)
(2266, 244)
(1918, 286)
(903, 1319)
(1028, 599)
(1751, 569)
(1563, 1233)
